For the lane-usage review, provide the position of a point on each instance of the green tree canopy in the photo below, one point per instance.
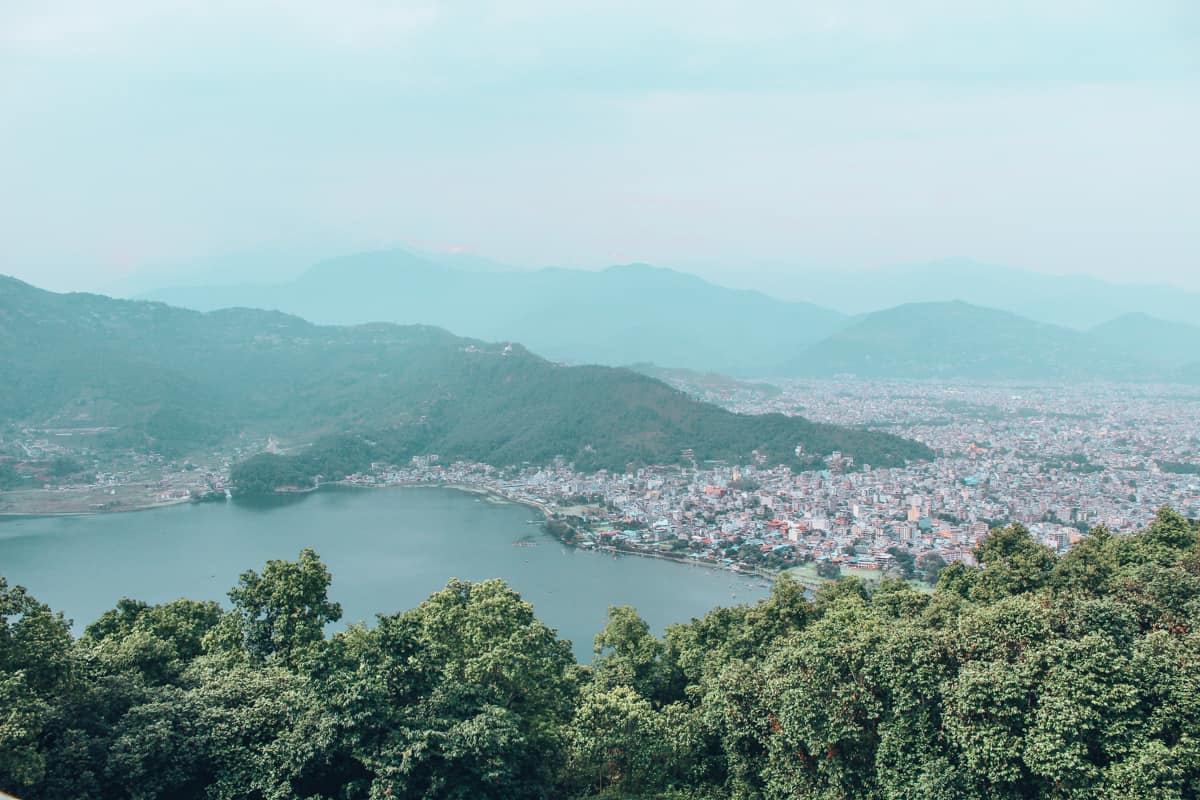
(282, 612)
(1029, 676)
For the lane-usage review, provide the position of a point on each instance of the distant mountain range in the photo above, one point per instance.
(1072, 301)
(988, 322)
(176, 380)
(615, 316)
(713, 383)
(960, 340)
(1155, 341)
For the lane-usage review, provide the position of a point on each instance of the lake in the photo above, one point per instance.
(387, 549)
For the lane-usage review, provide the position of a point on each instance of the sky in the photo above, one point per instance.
(745, 141)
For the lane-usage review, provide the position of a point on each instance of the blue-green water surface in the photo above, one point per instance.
(387, 551)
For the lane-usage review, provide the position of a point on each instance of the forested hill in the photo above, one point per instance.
(1157, 341)
(1035, 676)
(174, 379)
(960, 340)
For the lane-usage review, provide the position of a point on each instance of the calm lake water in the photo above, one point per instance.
(387, 551)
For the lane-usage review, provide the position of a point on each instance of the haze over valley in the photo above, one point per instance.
(963, 320)
(528, 400)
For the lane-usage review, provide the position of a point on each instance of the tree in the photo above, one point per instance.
(627, 654)
(64, 466)
(22, 716)
(930, 566)
(905, 561)
(238, 732)
(469, 686)
(35, 661)
(156, 641)
(1013, 562)
(1089, 565)
(616, 744)
(1030, 676)
(829, 569)
(8, 476)
(282, 613)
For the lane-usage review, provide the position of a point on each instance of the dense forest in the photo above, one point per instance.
(1031, 676)
(176, 381)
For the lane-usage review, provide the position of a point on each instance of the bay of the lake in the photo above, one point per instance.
(387, 550)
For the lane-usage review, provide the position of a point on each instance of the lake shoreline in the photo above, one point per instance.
(482, 491)
(458, 487)
(550, 514)
(386, 551)
(97, 512)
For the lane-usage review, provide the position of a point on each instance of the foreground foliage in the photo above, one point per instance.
(1033, 676)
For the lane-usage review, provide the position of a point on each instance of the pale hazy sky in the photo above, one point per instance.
(1059, 135)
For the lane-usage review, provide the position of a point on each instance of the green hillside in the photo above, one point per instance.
(1075, 301)
(713, 382)
(175, 379)
(1157, 341)
(959, 340)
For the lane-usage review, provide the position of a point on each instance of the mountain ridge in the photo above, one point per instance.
(1167, 343)
(637, 312)
(1073, 301)
(172, 378)
(623, 314)
(956, 339)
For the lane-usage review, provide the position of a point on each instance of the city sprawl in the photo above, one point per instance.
(1058, 459)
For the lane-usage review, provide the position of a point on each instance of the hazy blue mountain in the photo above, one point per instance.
(615, 316)
(1188, 373)
(1159, 341)
(175, 379)
(465, 261)
(712, 383)
(960, 340)
(1073, 301)
(254, 265)
(266, 265)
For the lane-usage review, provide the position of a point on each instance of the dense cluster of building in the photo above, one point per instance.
(1059, 460)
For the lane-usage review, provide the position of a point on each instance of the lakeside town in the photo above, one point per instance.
(1059, 460)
